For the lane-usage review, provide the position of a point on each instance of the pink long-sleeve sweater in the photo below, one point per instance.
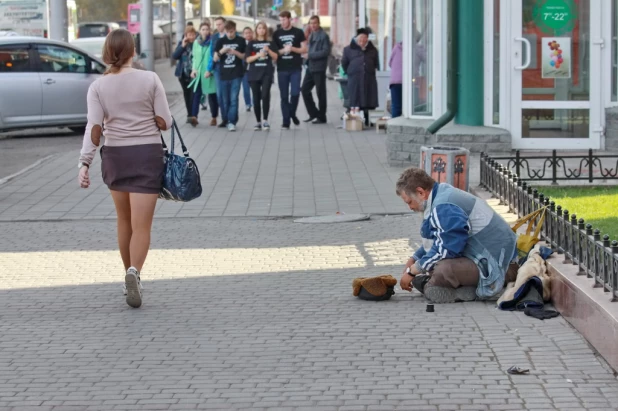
(125, 106)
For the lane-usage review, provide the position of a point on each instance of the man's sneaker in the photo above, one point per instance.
(419, 281)
(257, 127)
(444, 295)
(310, 120)
(266, 126)
(231, 127)
(223, 124)
(133, 286)
(285, 127)
(295, 120)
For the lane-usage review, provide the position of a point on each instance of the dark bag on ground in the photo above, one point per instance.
(379, 288)
(181, 179)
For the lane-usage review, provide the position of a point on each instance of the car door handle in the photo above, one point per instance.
(50, 81)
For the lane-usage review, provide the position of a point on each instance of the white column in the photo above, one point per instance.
(180, 19)
(58, 20)
(146, 34)
(205, 8)
(407, 61)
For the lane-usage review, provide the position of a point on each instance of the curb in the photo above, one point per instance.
(25, 170)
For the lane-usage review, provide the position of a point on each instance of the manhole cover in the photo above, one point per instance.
(338, 218)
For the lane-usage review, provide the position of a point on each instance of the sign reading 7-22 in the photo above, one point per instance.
(555, 15)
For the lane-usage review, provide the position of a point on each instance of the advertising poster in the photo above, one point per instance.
(556, 57)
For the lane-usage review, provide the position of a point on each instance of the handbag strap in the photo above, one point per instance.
(539, 225)
(525, 219)
(175, 130)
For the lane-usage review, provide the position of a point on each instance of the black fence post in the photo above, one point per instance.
(614, 271)
(597, 257)
(581, 242)
(590, 246)
(517, 159)
(554, 167)
(590, 169)
(605, 277)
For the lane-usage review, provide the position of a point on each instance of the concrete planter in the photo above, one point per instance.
(447, 165)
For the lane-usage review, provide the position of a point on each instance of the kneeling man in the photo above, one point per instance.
(466, 247)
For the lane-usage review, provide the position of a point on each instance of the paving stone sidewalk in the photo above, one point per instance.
(257, 313)
(309, 170)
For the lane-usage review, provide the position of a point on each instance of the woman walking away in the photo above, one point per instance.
(203, 82)
(183, 54)
(361, 62)
(260, 72)
(396, 64)
(129, 108)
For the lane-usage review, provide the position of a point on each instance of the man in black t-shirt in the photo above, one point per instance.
(230, 53)
(291, 44)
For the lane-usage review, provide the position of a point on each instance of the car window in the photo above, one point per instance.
(93, 30)
(14, 59)
(98, 68)
(56, 59)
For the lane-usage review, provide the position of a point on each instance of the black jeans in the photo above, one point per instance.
(317, 80)
(213, 103)
(261, 97)
(187, 93)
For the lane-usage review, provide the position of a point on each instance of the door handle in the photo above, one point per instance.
(528, 54)
(50, 81)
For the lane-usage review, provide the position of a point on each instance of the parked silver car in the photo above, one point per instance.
(44, 83)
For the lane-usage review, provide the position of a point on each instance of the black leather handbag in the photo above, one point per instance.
(181, 179)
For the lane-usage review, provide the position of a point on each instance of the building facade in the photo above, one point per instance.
(495, 75)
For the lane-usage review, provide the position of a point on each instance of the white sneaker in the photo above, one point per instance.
(133, 288)
(124, 287)
(231, 127)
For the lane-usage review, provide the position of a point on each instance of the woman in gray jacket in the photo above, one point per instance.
(360, 62)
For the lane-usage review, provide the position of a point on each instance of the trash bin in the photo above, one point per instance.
(447, 165)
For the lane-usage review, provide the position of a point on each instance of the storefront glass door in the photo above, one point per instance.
(556, 86)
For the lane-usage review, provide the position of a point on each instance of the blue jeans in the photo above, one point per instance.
(396, 100)
(246, 90)
(289, 88)
(229, 94)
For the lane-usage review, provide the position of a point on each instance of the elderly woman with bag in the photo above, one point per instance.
(360, 63)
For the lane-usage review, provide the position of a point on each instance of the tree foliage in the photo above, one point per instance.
(106, 10)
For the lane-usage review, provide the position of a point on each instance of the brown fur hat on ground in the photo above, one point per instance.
(374, 285)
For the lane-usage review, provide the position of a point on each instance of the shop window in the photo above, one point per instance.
(422, 58)
(385, 31)
(496, 64)
(614, 52)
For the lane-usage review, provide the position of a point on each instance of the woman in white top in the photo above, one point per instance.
(129, 108)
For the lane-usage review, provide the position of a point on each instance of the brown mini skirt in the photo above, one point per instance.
(133, 169)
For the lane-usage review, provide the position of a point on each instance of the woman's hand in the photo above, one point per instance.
(84, 178)
(193, 74)
(207, 74)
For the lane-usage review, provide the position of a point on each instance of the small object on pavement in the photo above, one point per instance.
(515, 370)
(375, 288)
(429, 308)
(540, 313)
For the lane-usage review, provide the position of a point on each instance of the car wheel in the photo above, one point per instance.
(78, 130)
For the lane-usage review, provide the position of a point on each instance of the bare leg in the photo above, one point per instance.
(123, 212)
(142, 211)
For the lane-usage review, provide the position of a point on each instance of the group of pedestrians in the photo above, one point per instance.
(213, 67)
